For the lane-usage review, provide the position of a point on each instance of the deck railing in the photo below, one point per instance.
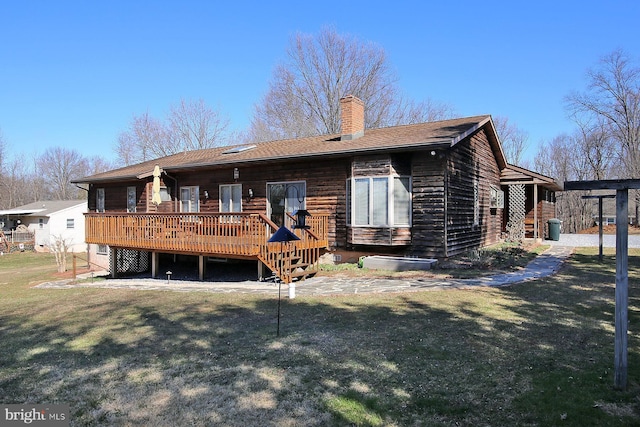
(224, 234)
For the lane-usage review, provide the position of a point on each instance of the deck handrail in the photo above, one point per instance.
(240, 234)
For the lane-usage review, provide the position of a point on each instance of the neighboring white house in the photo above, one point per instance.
(49, 220)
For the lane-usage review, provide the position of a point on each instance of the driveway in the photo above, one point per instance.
(586, 240)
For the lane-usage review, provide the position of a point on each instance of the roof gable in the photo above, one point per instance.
(43, 208)
(513, 174)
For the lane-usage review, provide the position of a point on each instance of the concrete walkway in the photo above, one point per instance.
(544, 265)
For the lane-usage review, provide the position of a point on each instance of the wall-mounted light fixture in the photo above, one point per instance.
(206, 195)
(251, 193)
(236, 173)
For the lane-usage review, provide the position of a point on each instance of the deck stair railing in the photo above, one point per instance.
(297, 259)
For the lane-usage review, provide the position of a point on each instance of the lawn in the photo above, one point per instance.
(533, 354)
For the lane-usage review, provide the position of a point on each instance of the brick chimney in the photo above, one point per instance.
(352, 117)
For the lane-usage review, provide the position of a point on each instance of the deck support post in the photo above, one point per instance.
(262, 269)
(113, 262)
(202, 267)
(155, 263)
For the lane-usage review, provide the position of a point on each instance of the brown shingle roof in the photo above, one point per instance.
(443, 133)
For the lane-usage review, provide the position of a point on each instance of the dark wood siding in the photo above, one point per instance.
(429, 185)
(325, 183)
(471, 163)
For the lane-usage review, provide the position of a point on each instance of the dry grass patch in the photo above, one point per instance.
(538, 353)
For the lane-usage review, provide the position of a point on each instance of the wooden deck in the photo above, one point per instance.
(238, 235)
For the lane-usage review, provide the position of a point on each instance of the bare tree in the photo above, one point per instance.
(514, 140)
(613, 97)
(59, 246)
(190, 125)
(595, 144)
(3, 151)
(15, 183)
(145, 139)
(562, 159)
(194, 126)
(305, 91)
(59, 166)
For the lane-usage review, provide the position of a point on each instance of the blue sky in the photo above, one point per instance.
(73, 73)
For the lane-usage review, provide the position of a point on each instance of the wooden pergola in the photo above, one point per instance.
(622, 187)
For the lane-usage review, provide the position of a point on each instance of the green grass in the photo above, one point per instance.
(534, 354)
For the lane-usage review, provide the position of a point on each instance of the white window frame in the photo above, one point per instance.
(300, 202)
(193, 201)
(496, 198)
(231, 201)
(390, 201)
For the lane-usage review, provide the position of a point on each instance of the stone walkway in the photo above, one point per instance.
(544, 265)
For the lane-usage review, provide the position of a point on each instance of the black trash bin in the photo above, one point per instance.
(554, 229)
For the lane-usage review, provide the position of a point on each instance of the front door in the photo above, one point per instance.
(285, 197)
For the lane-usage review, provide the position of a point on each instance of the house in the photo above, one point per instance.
(608, 207)
(430, 189)
(40, 223)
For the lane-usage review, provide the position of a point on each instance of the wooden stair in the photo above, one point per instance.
(291, 261)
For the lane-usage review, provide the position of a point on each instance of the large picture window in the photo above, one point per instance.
(379, 201)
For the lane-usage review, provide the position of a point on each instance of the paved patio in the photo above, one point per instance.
(544, 265)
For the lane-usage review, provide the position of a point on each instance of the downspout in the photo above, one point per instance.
(535, 211)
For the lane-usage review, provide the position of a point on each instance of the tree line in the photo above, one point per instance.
(303, 100)
(605, 143)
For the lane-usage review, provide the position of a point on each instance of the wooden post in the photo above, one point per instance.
(622, 288)
(74, 266)
(600, 227)
(600, 231)
(114, 262)
(622, 187)
(202, 267)
(155, 263)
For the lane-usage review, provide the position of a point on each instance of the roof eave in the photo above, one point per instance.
(434, 145)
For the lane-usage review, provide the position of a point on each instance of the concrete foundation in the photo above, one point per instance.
(381, 262)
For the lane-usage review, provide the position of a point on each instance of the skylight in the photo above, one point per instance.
(239, 149)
